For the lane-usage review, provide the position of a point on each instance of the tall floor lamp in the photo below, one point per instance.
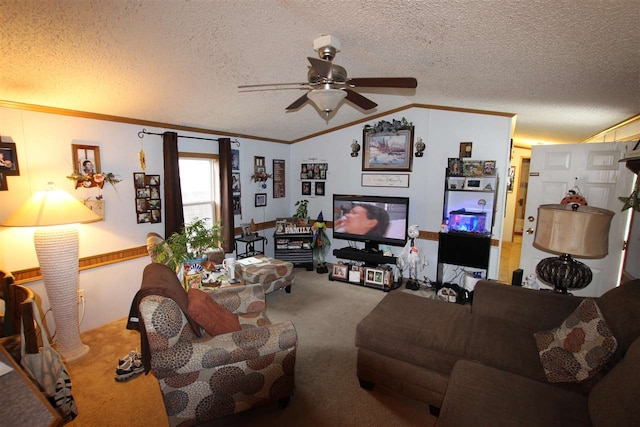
(570, 231)
(56, 213)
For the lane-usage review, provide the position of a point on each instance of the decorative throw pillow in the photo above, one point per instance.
(575, 350)
(214, 318)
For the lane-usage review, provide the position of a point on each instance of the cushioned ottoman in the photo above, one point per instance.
(272, 274)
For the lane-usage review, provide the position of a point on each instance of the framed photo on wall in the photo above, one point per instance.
(465, 149)
(387, 150)
(306, 188)
(261, 199)
(86, 159)
(9, 159)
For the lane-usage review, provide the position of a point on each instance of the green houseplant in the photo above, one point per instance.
(192, 243)
(302, 212)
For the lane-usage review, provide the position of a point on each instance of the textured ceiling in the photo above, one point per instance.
(568, 69)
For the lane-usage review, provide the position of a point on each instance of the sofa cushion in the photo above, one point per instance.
(579, 347)
(504, 345)
(215, 319)
(620, 307)
(480, 395)
(429, 333)
(614, 400)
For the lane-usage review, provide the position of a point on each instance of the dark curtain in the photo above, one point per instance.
(226, 196)
(173, 215)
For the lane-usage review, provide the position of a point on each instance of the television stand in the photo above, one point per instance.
(370, 259)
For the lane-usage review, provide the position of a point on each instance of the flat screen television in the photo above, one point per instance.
(371, 219)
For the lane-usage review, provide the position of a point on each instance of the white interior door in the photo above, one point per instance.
(601, 180)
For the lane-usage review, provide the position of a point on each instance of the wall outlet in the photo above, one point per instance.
(81, 294)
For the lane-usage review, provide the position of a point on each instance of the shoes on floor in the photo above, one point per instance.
(133, 354)
(128, 369)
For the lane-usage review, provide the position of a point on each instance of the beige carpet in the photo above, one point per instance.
(327, 393)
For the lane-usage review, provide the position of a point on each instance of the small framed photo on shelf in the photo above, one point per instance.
(261, 199)
(455, 183)
(340, 271)
(489, 167)
(473, 168)
(473, 183)
(374, 277)
(454, 167)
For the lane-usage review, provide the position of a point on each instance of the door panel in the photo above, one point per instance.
(600, 179)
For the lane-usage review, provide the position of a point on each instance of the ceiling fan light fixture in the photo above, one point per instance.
(326, 100)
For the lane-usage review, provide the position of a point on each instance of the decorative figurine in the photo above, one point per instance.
(320, 244)
(412, 258)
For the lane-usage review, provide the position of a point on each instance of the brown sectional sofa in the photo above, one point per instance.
(480, 363)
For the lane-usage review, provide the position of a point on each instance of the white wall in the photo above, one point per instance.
(44, 152)
(43, 143)
(442, 131)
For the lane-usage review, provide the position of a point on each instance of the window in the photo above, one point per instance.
(199, 185)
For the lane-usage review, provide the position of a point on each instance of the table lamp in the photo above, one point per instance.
(56, 213)
(570, 230)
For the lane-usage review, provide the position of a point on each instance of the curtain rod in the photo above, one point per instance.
(144, 132)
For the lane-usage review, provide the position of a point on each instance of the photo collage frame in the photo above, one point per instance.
(235, 182)
(148, 202)
(316, 172)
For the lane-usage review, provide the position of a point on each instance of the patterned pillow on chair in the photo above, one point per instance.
(579, 347)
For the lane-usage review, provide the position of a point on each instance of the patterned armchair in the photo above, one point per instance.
(205, 378)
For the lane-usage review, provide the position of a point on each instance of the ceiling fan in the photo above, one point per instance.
(329, 83)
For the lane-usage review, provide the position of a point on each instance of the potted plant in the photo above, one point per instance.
(302, 212)
(190, 245)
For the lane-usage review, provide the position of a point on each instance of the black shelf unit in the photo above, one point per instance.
(294, 248)
(474, 195)
(369, 258)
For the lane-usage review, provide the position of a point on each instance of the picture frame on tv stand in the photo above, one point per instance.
(374, 277)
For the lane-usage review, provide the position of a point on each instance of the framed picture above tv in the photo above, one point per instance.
(388, 146)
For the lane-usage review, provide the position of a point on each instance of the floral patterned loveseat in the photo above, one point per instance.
(209, 377)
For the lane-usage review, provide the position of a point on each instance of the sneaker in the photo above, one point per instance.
(128, 369)
(133, 355)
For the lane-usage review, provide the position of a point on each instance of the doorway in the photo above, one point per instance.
(521, 198)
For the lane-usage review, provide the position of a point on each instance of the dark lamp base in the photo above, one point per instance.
(564, 273)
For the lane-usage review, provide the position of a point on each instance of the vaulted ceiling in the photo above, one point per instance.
(567, 68)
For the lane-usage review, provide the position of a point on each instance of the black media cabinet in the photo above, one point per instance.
(371, 259)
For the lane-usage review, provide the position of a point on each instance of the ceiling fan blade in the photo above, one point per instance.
(298, 102)
(359, 100)
(273, 84)
(322, 67)
(400, 82)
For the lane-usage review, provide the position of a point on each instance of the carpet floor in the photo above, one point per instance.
(327, 393)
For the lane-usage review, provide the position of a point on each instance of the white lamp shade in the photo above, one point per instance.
(583, 233)
(51, 207)
(326, 100)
